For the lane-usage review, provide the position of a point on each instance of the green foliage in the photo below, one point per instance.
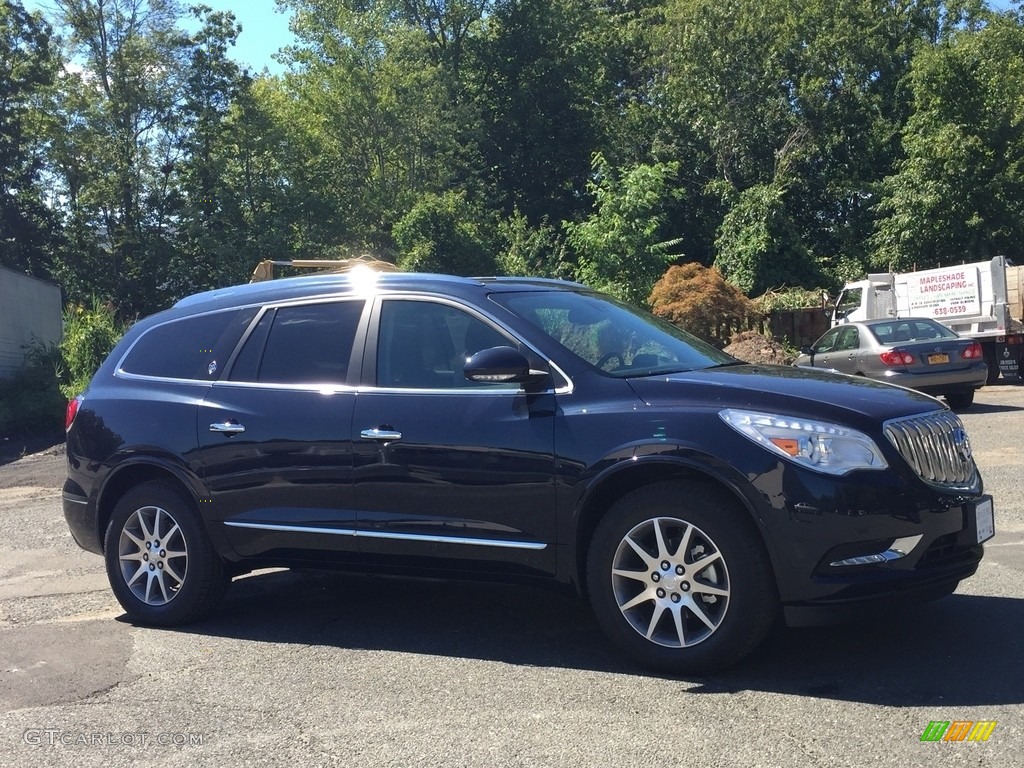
(531, 251)
(444, 233)
(700, 301)
(760, 247)
(30, 401)
(27, 64)
(790, 143)
(622, 246)
(958, 195)
(89, 335)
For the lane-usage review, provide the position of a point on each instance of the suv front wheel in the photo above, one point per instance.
(160, 562)
(677, 578)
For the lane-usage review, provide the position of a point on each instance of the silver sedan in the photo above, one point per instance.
(914, 352)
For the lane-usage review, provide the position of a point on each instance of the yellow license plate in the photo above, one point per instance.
(933, 359)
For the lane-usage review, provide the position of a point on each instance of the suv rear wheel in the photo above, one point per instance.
(678, 579)
(160, 562)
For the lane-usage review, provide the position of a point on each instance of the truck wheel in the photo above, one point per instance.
(160, 563)
(960, 401)
(678, 579)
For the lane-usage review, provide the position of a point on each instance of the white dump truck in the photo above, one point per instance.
(981, 301)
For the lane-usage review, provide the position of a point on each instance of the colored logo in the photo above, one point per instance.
(958, 730)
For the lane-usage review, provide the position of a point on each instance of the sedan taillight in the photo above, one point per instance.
(897, 357)
(973, 352)
(71, 412)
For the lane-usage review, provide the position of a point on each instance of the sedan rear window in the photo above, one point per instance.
(900, 331)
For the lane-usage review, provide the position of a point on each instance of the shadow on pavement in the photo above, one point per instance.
(959, 651)
(990, 408)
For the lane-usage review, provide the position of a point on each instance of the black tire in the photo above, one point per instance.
(960, 401)
(723, 553)
(179, 577)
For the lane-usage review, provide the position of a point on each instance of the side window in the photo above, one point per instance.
(190, 348)
(849, 338)
(424, 345)
(306, 344)
(849, 301)
(827, 343)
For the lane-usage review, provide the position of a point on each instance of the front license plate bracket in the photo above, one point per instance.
(981, 519)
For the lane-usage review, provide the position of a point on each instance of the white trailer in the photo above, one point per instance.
(981, 301)
(30, 311)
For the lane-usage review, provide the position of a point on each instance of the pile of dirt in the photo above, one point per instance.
(754, 347)
(14, 448)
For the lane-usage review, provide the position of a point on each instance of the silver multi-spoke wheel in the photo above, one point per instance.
(152, 555)
(670, 582)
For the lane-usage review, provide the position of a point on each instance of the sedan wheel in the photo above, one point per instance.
(677, 577)
(160, 562)
(960, 401)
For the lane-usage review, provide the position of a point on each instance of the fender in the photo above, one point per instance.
(131, 460)
(675, 458)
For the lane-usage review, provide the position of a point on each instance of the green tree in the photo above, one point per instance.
(759, 247)
(137, 157)
(27, 67)
(115, 150)
(806, 96)
(623, 246)
(541, 95)
(374, 100)
(958, 195)
(445, 233)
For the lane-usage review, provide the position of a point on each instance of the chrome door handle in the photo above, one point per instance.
(386, 435)
(227, 427)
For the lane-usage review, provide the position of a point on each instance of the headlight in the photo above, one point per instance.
(817, 445)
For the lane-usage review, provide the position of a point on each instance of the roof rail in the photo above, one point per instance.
(265, 269)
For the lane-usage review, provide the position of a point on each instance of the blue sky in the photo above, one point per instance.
(264, 31)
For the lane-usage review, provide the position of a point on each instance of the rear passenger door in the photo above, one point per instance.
(275, 432)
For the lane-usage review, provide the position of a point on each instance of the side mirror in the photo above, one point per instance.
(805, 350)
(500, 365)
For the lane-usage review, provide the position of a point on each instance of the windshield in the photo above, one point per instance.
(615, 338)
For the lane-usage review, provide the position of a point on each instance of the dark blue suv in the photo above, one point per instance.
(511, 429)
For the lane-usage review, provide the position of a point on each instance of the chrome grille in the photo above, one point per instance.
(936, 447)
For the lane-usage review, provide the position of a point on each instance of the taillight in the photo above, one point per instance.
(71, 412)
(973, 352)
(897, 357)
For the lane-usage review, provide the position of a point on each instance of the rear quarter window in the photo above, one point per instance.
(190, 347)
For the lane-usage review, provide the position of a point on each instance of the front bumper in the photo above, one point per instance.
(933, 553)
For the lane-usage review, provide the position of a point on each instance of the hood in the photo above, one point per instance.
(804, 392)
